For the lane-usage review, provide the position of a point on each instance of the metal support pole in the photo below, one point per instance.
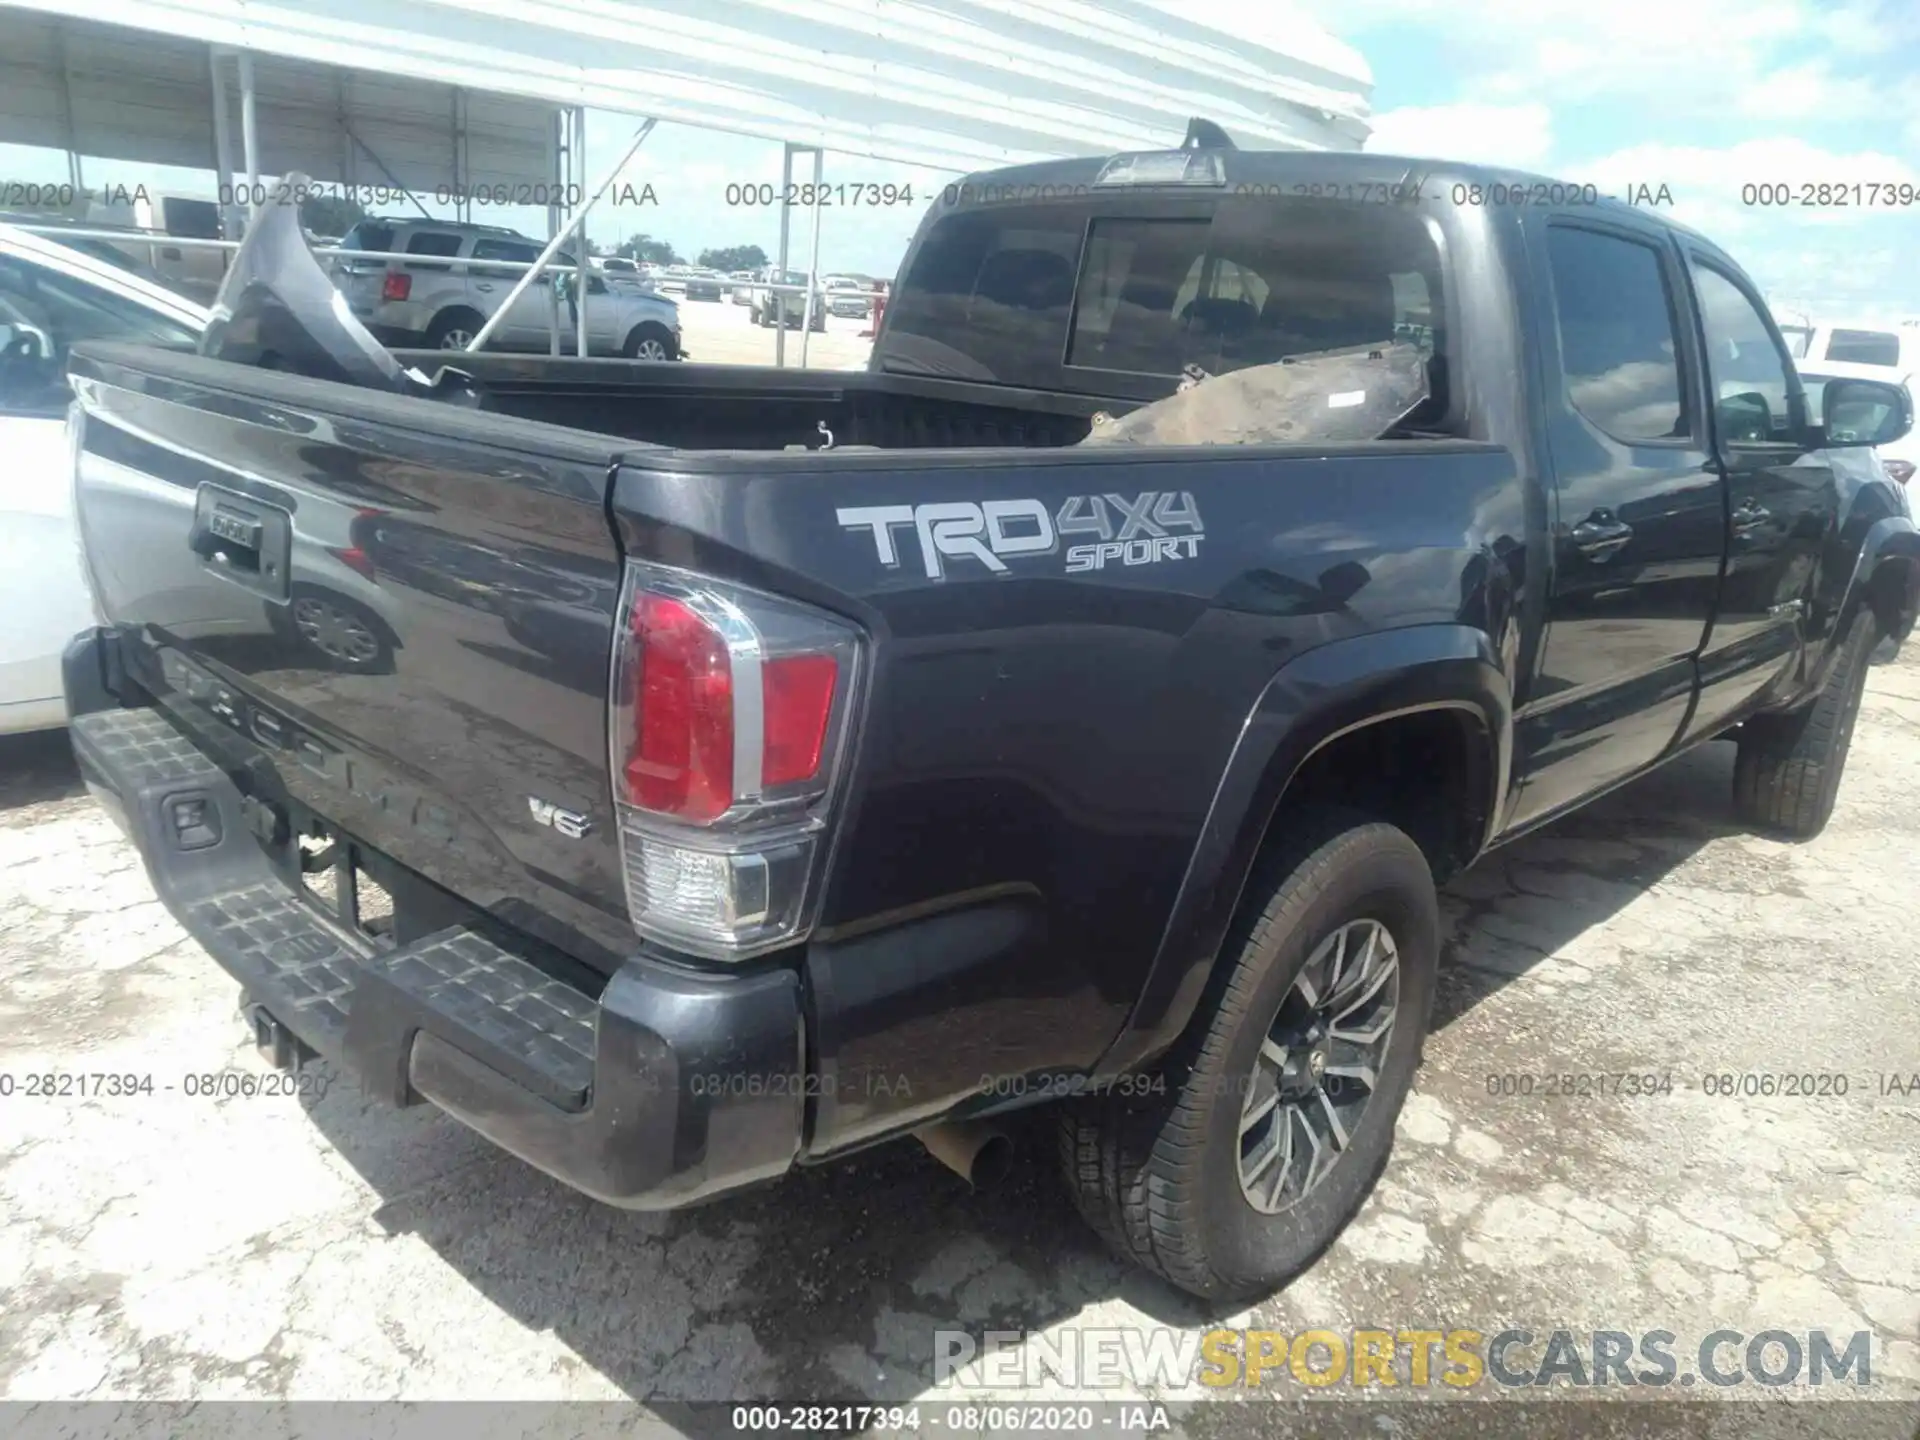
(573, 222)
(577, 166)
(460, 206)
(374, 156)
(562, 152)
(223, 146)
(74, 177)
(779, 297)
(813, 260)
(249, 136)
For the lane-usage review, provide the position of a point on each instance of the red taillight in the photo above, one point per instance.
(730, 711)
(682, 759)
(799, 703)
(1901, 470)
(398, 286)
(355, 559)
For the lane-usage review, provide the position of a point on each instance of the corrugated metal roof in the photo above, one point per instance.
(104, 90)
(952, 84)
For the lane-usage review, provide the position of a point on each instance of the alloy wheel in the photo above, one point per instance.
(334, 631)
(1318, 1065)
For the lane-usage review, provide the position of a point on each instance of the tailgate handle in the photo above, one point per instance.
(236, 529)
(242, 540)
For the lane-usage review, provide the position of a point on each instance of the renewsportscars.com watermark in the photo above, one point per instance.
(1437, 1360)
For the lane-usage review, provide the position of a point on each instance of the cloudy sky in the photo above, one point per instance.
(1702, 96)
(1705, 96)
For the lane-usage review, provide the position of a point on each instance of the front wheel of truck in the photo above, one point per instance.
(1787, 775)
(1261, 1137)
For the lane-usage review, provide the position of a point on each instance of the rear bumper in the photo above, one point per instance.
(667, 1087)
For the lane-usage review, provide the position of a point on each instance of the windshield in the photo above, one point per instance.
(1063, 296)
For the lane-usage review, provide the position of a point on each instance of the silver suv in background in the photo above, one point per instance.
(441, 299)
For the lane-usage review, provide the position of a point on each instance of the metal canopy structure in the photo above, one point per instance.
(447, 97)
(95, 89)
(946, 84)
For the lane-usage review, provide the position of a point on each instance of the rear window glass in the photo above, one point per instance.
(1055, 296)
(365, 236)
(1863, 347)
(193, 219)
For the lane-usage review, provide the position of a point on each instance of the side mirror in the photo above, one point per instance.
(1861, 413)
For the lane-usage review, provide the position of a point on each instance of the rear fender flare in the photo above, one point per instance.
(1318, 697)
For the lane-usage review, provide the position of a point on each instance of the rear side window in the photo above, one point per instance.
(368, 235)
(432, 242)
(489, 248)
(1615, 316)
(193, 219)
(1863, 347)
(1055, 296)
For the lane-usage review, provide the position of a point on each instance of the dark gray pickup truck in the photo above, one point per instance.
(680, 774)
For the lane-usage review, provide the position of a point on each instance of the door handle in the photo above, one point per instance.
(482, 285)
(1749, 517)
(1600, 537)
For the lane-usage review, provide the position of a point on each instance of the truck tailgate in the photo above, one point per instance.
(394, 613)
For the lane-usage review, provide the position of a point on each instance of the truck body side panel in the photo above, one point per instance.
(1043, 738)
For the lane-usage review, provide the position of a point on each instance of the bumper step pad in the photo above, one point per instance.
(336, 991)
(493, 1005)
(284, 956)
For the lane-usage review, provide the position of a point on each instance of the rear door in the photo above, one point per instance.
(393, 612)
(1638, 525)
(528, 325)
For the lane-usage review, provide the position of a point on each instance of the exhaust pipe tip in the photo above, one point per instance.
(978, 1152)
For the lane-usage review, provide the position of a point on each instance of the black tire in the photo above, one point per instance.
(449, 323)
(647, 333)
(1159, 1176)
(1787, 776)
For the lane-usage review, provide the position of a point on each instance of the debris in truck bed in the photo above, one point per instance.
(1334, 398)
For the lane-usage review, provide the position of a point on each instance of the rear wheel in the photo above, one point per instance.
(1278, 1117)
(1787, 776)
(453, 329)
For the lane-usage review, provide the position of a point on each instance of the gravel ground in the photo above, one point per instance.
(167, 1248)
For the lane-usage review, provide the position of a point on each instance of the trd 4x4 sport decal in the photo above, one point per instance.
(1131, 532)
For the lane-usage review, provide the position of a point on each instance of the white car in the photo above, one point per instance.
(50, 297)
(1880, 345)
